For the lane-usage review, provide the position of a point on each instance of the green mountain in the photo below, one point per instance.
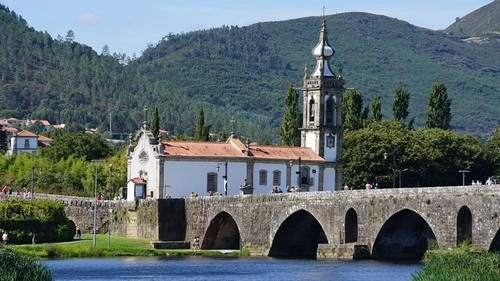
(481, 22)
(242, 72)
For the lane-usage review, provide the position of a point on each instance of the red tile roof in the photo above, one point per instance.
(10, 130)
(44, 139)
(26, 134)
(237, 149)
(137, 181)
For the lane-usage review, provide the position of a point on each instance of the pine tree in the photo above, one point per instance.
(376, 109)
(155, 124)
(439, 109)
(401, 104)
(289, 132)
(352, 110)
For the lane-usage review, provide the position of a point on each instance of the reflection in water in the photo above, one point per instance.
(242, 269)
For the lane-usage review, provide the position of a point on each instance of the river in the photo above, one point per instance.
(241, 269)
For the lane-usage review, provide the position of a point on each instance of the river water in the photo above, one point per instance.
(241, 269)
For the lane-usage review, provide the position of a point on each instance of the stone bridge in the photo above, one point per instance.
(378, 224)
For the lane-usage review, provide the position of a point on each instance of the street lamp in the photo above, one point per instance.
(95, 201)
(225, 175)
(110, 188)
(32, 180)
(463, 176)
(399, 171)
(393, 167)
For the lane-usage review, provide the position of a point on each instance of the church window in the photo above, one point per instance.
(276, 178)
(304, 175)
(311, 110)
(262, 177)
(212, 182)
(329, 112)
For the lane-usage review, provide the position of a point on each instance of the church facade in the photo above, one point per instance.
(159, 169)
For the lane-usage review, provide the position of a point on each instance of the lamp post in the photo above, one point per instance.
(399, 171)
(95, 201)
(463, 176)
(393, 167)
(32, 180)
(110, 188)
(225, 175)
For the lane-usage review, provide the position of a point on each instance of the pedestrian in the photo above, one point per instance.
(78, 233)
(33, 239)
(5, 238)
(489, 181)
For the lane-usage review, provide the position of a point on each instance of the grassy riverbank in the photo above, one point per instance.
(460, 264)
(119, 246)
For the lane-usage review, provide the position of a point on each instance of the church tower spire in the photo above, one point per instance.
(322, 98)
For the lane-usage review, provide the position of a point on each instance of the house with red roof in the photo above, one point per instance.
(27, 142)
(160, 169)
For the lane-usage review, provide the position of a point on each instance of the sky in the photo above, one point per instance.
(128, 26)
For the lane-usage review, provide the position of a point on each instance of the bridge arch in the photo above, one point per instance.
(298, 236)
(222, 233)
(464, 225)
(495, 244)
(404, 236)
(351, 226)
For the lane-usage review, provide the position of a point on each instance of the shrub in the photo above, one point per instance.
(16, 267)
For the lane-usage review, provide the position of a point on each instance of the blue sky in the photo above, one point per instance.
(127, 26)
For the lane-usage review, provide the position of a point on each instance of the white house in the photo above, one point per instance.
(178, 168)
(27, 142)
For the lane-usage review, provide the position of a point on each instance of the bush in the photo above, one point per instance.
(18, 267)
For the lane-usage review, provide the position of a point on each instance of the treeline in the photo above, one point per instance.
(67, 167)
(392, 152)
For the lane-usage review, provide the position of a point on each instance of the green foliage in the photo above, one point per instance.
(439, 109)
(16, 267)
(202, 130)
(289, 132)
(481, 22)
(459, 265)
(352, 110)
(375, 114)
(79, 145)
(426, 157)
(400, 105)
(239, 72)
(155, 123)
(44, 218)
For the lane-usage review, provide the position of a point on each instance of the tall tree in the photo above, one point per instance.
(352, 110)
(375, 109)
(439, 109)
(155, 124)
(401, 104)
(289, 132)
(199, 125)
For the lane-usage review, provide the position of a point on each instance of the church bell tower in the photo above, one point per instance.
(322, 99)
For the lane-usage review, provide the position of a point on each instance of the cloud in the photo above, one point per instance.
(89, 18)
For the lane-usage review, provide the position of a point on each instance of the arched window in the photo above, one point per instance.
(329, 106)
(276, 178)
(262, 177)
(351, 226)
(311, 110)
(464, 226)
(212, 182)
(305, 172)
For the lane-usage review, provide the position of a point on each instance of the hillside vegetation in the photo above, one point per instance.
(485, 20)
(242, 72)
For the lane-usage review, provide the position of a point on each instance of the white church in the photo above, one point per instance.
(176, 169)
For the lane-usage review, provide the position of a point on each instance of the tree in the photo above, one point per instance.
(289, 132)
(81, 145)
(352, 110)
(202, 132)
(70, 36)
(155, 124)
(198, 135)
(401, 104)
(375, 109)
(105, 51)
(439, 109)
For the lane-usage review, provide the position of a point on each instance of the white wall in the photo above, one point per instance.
(270, 168)
(150, 166)
(329, 179)
(184, 177)
(330, 153)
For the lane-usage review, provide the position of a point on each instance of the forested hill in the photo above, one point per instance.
(242, 72)
(481, 22)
